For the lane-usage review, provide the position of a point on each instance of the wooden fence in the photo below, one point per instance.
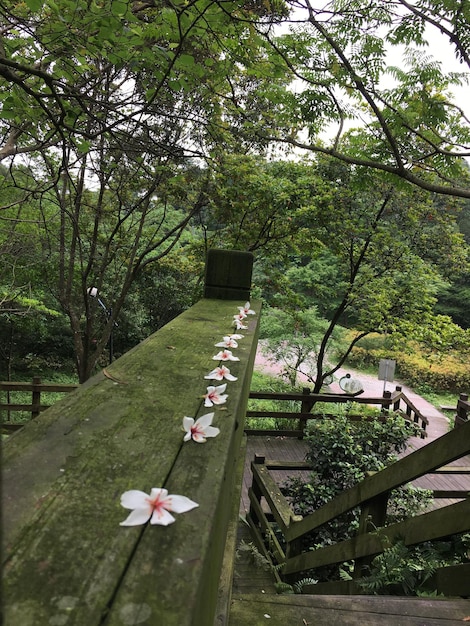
(390, 401)
(36, 388)
(285, 535)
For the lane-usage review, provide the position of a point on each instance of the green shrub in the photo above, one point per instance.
(342, 452)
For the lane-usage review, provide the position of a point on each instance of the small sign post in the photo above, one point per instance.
(387, 370)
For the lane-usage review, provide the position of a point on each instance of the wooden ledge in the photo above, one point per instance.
(67, 560)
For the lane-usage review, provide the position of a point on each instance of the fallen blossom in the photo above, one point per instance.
(225, 355)
(219, 373)
(236, 336)
(215, 395)
(156, 506)
(228, 342)
(238, 323)
(246, 309)
(200, 429)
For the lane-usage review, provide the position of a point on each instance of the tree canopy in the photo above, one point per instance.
(135, 128)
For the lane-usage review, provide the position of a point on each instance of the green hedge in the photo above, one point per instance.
(448, 373)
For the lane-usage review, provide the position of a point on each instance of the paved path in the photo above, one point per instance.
(439, 424)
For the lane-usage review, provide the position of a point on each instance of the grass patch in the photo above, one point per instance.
(25, 397)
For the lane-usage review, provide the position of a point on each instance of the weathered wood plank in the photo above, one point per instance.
(276, 501)
(433, 525)
(259, 610)
(66, 555)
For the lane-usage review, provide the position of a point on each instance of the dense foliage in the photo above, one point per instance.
(135, 135)
(342, 452)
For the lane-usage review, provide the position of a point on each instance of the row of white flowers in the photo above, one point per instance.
(159, 504)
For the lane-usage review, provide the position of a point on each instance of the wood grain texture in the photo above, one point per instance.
(66, 557)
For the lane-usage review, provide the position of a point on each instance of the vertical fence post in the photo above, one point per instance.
(463, 408)
(258, 460)
(373, 514)
(396, 404)
(36, 400)
(305, 407)
(228, 274)
(386, 396)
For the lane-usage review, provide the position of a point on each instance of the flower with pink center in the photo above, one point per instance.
(156, 506)
(215, 395)
(228, 342)
(200, 429)
(246, 309)
(225, 355)
(219, 373)
(238, 323)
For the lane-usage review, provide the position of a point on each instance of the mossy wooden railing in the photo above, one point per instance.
(390, 401)
(284, 534)
(67, 561)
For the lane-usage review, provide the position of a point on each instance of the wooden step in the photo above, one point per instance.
(314, 610)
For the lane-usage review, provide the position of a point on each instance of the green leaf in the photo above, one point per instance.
(34, 5)
(119, 8)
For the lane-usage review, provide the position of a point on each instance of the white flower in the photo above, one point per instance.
(200, 429)
(219, 373)
(214, 395)
(236, 336)
(156, 506)
(228, 342)
(246, 309)
(225, 355)
(237, 322)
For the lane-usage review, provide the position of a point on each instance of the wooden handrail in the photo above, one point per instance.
(66, 557)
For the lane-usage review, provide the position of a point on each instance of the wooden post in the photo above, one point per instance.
(305, 407)
(463, 408)
(373, 514)
(36, 398)
(258, 460)
(396, 404)
(228, 274)
(387, 396)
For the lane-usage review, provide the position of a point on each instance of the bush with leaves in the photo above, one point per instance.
(342, 452)
(408, 570)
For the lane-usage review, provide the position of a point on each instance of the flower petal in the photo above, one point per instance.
(137, 517)
(216, 374)
(211, 431)
(188, 423)
(162, 517)
(135, 499)
(220, 399)
(181, 504)
(205, 420)
(199, 437)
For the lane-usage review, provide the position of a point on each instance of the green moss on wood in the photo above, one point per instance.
(65, 472)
